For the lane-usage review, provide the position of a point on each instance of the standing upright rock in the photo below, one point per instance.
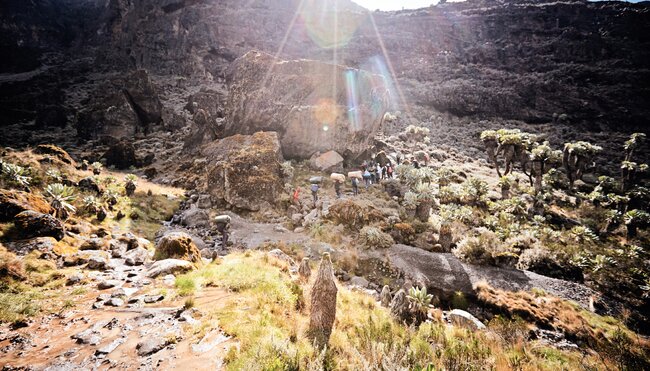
(384, 297)
(399, 307)
(323, 303)
(304, 270)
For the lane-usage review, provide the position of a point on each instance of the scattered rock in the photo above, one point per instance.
(462, 318)
(31, 224)
(97, 262)
(24, 247)
(74, 279)
(110, 347)
(137, 256)
(204, 202)
(95, 243)
(89, 336)
(169, 266)
(151, 345)
(115, 302)
(107, 284)
(153, 298)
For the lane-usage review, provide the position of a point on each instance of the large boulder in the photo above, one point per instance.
(178, 245)
(30, 224)
(13, 202)
(169, 266)
(295, 98)
(443, 273)
(244, 170)
(330, 160)
(121, 155)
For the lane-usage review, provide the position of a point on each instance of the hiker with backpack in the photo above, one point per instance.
(314, 192)
(355, 186)
(223, 227)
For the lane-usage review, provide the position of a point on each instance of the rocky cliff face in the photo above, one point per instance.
(572, 62)
(314, 106)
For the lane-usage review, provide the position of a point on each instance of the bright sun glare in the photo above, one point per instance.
(394, 4)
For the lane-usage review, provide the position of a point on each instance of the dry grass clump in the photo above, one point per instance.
(603, 334)
(354, 215)
(403, 233)
(11, 266)
(485, 248)
(374, 238)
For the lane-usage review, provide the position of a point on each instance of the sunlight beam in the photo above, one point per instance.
(390, 66)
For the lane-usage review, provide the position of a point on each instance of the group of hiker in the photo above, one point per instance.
(372, 172)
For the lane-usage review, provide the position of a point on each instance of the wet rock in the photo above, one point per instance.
(107, 284)
(13, 202)
(244, 170)
(178, 245)
(328, 161)
(462, 318)
(169, 266)
(151, 345)
(31, 224)
(251, 108)
(137, 256)
(153, 298)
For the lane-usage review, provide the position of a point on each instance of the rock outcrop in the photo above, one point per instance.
(13, 202)
(31, 224)
(314, 106)
(444, 273)
(244, 170)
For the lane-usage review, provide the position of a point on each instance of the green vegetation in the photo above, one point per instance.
(264, 316)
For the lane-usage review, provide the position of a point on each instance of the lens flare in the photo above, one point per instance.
(326, 111)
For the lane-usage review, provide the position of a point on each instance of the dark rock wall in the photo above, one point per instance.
(525, 60)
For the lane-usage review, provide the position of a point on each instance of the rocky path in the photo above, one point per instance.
(124, 321)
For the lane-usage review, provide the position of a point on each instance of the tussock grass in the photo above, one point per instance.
(265, 317)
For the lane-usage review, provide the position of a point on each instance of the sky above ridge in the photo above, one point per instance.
(409, 4)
